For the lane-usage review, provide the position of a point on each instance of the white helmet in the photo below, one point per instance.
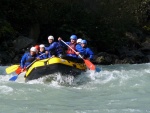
(50, 37)
(33, 49)
(42, 45)
(79, 40)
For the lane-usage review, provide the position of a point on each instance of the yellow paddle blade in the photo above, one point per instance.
(11, 69)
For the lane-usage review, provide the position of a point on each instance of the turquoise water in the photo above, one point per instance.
(116, 89)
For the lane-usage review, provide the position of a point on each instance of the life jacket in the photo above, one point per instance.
(73, 46)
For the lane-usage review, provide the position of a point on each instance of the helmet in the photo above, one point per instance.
(84, 42)
(79, 40)
(37, 47)
(42, 45)
(50, 37)
(73, 37)
(33, 49)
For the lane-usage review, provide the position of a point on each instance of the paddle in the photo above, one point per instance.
(18, 70)
(11, 69)
(16, 76)
(89, 64)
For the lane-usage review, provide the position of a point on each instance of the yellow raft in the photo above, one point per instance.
(48, 66)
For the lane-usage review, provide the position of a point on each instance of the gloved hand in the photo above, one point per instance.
(59, 38)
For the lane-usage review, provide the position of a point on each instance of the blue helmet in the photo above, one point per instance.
(83, 42)
(73, 37)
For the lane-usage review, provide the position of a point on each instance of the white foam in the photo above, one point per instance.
(4, 78)
(109, 74)
(54, 80)
(21, 78)
(5, 89)
(36, 81)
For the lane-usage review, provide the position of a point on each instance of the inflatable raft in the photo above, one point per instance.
(65, 66)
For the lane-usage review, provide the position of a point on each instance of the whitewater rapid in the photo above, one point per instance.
(116, 89)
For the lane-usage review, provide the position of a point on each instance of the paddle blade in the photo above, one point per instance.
(11, 69)
(89, 64)
(18, 70)
(97, 69)
(13, 78)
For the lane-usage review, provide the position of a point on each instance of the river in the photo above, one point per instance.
(116, 89)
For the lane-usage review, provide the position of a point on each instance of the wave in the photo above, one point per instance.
(113, 74)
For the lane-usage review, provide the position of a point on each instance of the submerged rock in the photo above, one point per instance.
(105, 58)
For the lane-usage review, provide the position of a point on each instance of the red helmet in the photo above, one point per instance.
(37, 47)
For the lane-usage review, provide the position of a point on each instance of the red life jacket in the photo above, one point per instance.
(73, 46)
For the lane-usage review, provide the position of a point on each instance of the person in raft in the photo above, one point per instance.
(28, 58)
(37, 48)
(42, 53)
(54, 48)
(79, 41)
(73, 44)
(88, 52)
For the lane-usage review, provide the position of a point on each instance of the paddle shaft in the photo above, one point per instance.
(16, 76)
(34, 61)
(29, 65)
(71, 48)
(89, 64)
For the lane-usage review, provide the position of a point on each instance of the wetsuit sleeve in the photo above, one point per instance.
(68, 43)
(41, 56)
(23, 59)
(90, 53)
(49, 55)
(80, 49)
(52, 46)
(64, 45)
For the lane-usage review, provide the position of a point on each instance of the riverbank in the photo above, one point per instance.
(136, 51)
(117, 35)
